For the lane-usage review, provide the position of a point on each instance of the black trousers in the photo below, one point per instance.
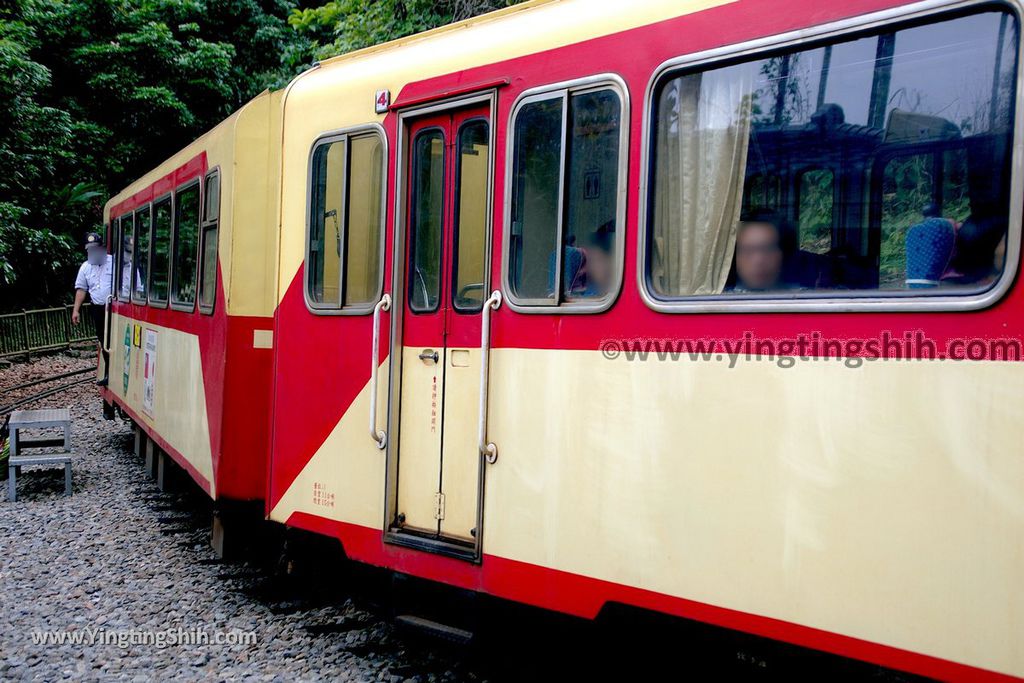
(97, 313)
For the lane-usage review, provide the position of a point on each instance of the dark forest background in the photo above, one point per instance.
(93, 93)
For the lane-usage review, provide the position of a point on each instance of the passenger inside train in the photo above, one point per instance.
(759, 255)
(600, 264)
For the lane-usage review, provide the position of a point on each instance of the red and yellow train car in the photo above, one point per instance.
(704, 307)
(478, 225)
(191, 321)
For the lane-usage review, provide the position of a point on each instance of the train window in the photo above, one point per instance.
(567, 198)
(159, 261)
(323, 266)
(472, 164)
(344, 256)
(114, 248)
(126, 239)
(363, 220)
(140, 259)
(426, 220)
(208, 242)
(184, 246)
(873, 165)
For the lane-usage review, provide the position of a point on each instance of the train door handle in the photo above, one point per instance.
(488, 450)
(379, 436)
(429, 354)
(107, 305)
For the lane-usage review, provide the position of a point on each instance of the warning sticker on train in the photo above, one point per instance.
(149, 372)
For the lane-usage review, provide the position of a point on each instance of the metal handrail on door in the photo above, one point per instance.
(379, 436)
(488, 450)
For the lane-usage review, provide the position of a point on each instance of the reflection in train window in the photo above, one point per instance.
(363, 220)
(815, 204)
(185, 247)
(161, 247)
(323, 263)
(426, 220)
(140, 262)
(208, 242)
(471, 215)
(124, 261)
(877, 163)
(563, 245)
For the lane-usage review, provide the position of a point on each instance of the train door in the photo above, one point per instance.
(439, 485)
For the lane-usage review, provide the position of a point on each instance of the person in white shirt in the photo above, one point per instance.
(94, 278)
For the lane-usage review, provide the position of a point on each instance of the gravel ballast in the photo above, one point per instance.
(119, 560)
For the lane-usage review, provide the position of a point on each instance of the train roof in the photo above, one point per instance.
(471, 22)
(528, 28)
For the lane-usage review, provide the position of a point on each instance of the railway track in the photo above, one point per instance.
(50, 391)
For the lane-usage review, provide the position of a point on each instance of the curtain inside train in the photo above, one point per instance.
(703, 132)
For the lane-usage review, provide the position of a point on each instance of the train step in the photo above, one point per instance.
(435, 629)
(55, 442)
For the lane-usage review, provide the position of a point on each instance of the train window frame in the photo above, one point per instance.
(176, 305)
(410, 239)
(828, 301)
(118, 274)
(331, 137)
(146, 208)
(166, 198)
(114, 250)
(206, 225)
(564, 90)
(457, 219)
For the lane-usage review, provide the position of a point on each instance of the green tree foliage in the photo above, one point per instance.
(342, 26)
(32, 135)
(93, 93)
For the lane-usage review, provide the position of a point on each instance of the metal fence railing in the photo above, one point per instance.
(43, 329)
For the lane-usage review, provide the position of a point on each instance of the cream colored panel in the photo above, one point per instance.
(251, 253)
(263, 339)
(419, 448)
(460, 465)
(179, 414)
(884, 503)
(344, 480)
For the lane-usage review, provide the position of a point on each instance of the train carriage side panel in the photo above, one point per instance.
(180, 398)
(871, 512)
(177, 399)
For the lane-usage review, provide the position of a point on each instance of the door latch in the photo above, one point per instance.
(429, 354)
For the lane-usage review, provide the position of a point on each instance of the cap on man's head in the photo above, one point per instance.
(93, 240)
